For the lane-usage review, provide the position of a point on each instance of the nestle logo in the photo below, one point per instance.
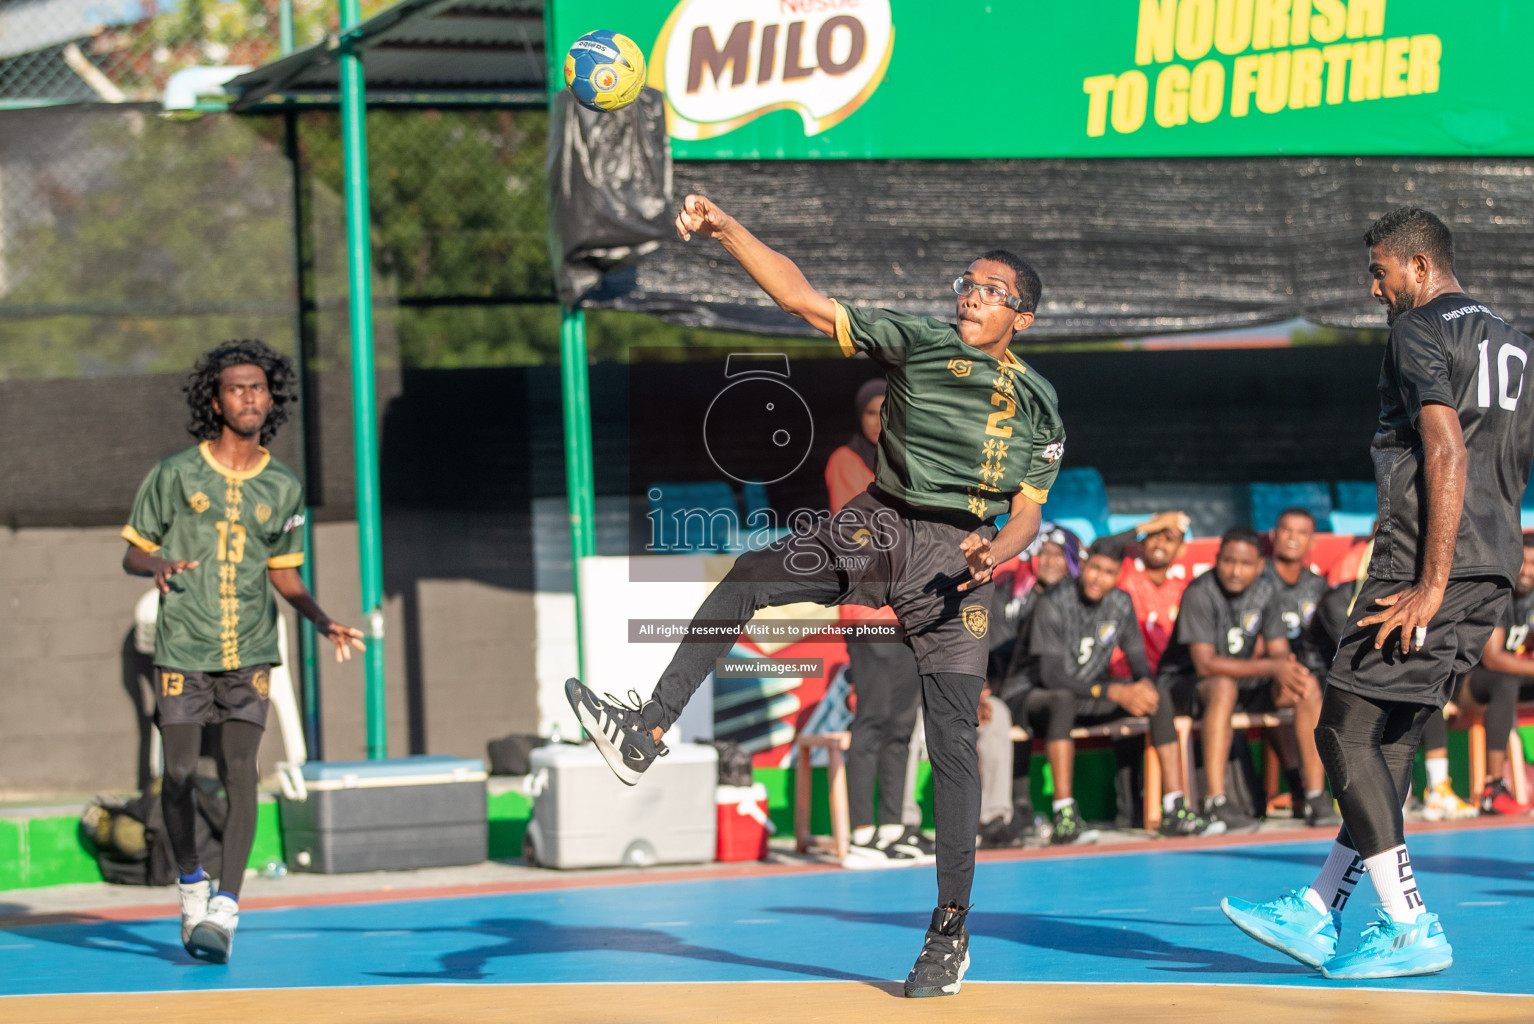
(724, 63)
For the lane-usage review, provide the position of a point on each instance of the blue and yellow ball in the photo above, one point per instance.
(604, 70)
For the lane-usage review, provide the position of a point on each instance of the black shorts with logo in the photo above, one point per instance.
(1471, 609)
(212, 698)
(914, 565)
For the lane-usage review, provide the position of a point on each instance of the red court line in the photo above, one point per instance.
(753, 869)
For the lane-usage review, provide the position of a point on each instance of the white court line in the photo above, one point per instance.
(1203, 908)
(665, 924)
(1484, 903)
(391, 931)
(1124, 910)
(746, 920)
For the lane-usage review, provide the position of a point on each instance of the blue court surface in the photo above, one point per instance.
(1135, 917)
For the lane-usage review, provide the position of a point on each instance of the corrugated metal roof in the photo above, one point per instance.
(419, 52)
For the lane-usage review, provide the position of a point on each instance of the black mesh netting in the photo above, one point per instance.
(1124, 247)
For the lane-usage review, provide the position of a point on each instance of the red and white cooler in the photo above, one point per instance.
(743, 822)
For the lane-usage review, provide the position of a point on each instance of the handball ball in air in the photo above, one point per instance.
(604, 70)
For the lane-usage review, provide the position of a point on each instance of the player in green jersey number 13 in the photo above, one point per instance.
(219, 527)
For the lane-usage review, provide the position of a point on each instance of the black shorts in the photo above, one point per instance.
(1254, 694)
(212, 698)
(1456, 636)
(888, 553)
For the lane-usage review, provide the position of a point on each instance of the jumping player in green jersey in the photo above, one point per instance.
(969, 432)
(219, 527)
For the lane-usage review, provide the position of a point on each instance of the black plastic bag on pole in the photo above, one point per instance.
(610, 184)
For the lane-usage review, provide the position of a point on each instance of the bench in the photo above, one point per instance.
(835, 745)
(1119, 728)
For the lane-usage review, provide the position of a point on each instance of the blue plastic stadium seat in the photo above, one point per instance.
(1352, 524)
(1082, 528)
(1268, 500)
(1356, 496)
(1079, 494)
(692, 517)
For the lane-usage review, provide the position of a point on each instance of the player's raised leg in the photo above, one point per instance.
(628, 734)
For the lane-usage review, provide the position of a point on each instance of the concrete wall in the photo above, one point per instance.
(459, 650)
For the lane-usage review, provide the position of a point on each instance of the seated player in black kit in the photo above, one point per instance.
(1451, 455)
(1506, 673)
(1299, 593)
(1011, 693)
(1215, 654)
(1075, 632)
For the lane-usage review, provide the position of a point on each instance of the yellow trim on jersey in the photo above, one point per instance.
(1008, 359)
(1033, 494)
(844, 330)
(138, 540)
(233, 474)
(292, 561)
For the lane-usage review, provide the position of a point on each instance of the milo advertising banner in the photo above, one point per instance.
(762, 79)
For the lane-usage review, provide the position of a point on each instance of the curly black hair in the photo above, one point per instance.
(202, 386)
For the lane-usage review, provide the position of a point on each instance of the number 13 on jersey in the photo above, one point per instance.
(231, 542)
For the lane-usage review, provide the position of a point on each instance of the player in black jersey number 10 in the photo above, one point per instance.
(1451, 457)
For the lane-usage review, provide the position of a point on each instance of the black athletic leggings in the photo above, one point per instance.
(1499, 692)
(1368, 747)
(950, 711)
(887, 685)
(237, 769)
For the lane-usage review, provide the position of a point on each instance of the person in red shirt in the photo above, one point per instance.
(883, 676)
(1155, 582)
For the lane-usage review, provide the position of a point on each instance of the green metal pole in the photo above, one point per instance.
(364, 406)
(575, 387)
(308, 637)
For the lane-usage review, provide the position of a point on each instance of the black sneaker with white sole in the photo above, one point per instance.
(944, 956)
(622, 734)
(914, 842)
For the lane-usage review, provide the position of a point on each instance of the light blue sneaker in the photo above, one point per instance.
(1288, 924)
(1392, 950)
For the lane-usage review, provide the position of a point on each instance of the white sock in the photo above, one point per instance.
(863, 834)
(1437, 771)
(1169, 801)
(889, 833)
(1393, 879)
(1337, 879)
(1061, 805)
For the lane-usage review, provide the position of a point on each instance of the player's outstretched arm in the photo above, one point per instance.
(1497, 658)
(777, 275)
(291, 586)
(138, 562)
(1444, 467)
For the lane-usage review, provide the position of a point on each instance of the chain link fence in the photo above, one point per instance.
(129, 243)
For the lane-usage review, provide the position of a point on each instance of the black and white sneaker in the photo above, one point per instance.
(622, 734)
(914, 843)
(871, 855)
(944, 956)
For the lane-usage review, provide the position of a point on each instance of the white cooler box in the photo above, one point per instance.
(583, 817)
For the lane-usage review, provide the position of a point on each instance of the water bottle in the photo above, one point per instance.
(274, 869)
